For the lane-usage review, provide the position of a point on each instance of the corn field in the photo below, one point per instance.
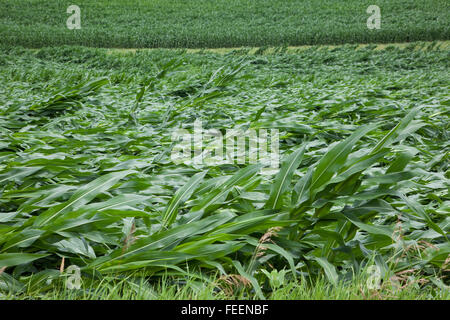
(219, 23)
(86, 176)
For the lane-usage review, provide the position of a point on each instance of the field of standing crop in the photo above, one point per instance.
(219, 23)
(87, 176)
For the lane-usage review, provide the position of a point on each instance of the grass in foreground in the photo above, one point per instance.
(220, 23)
(86, 175)
(135, 287)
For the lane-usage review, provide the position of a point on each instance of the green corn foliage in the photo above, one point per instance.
(201, 23)
(363, 177)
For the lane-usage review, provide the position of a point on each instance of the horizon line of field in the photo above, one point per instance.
(418, 45)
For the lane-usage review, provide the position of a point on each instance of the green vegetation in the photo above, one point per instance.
(137, 287)
(86, 176)
(220, 23)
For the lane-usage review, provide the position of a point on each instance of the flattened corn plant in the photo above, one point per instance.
(86, 177)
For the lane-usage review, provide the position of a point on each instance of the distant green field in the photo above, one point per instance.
(220, 23)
